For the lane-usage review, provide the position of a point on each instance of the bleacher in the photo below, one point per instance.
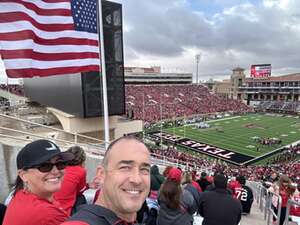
(155, 102)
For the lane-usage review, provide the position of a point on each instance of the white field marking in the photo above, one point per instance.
(293, 132)
(250, 146)
(227, 122)
(284, 135)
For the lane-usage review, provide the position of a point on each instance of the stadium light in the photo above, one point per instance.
(198, 57)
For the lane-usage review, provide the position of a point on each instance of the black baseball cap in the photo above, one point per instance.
(38, 152)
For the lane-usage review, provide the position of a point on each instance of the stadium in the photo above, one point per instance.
(240, 127)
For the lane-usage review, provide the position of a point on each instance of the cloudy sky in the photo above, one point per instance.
(226, 33)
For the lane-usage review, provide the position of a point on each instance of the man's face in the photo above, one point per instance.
(126, 177)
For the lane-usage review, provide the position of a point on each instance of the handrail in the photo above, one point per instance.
(287, 215)
(65, 142)
(270, 207)
(76, 135)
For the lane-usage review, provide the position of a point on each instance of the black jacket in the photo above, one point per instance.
(218, 207)
(97, 215)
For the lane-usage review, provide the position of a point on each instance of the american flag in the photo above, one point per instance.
(48, 37)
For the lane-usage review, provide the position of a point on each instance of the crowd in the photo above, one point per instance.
(255, 173)
(152, 103)
(13, 88)
(50, 188)
(279, 106)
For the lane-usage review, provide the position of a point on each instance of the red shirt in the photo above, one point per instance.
(196, 185)
(27, 208)
(74, 183)
(295, 210)
(284, 196)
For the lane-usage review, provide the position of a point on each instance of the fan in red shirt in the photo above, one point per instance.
(74, 182)
(40, 171)
(295, 210)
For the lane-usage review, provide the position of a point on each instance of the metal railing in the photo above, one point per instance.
(76, 136)
(264, 199)
(271, 208)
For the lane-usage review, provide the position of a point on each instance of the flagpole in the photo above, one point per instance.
(103, 74)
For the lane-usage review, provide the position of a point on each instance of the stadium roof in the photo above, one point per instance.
(288, 77)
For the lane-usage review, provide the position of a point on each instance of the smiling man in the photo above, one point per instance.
(125, 184)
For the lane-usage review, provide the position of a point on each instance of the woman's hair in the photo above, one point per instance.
(170, 193)
(187, 178)
(79, 156)
(284, 179)
(19, 185)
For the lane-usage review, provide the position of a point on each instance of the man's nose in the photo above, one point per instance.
(135, 176)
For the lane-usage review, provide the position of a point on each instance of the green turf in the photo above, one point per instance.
(237, 137)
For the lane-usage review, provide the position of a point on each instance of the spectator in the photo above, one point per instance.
(218, 207)
(203, 182)
(295, 210)
(74, 182)
(187, 184)
(177, 205)
(40, 171)
(125, 184)
(281, 188)
(244, 194)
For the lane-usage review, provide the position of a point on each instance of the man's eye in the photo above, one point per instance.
(145, 170)
(124, 167)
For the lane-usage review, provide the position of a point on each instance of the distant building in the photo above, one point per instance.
(279, 88)
(229, 88)
(153, 75)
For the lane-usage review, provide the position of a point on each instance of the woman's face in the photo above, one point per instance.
(43, 184)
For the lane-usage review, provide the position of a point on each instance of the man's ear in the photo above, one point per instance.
(100, 174)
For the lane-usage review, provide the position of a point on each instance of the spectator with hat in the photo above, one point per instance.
(40, 167)
(177, 205)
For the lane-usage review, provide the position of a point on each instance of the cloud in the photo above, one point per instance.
(170, 33)
(238, 35)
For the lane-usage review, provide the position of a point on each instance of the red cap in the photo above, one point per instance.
(174, 174)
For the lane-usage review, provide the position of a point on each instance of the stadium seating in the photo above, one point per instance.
(155, 102)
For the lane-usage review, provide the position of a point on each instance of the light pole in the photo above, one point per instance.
(198, 57)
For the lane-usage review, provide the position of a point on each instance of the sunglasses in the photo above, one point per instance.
(47, 166)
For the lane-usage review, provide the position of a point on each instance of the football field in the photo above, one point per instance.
(241, 133)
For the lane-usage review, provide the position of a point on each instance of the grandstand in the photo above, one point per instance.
(279, 94)
(152, 103)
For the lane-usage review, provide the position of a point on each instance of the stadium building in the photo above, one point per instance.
(153, 75)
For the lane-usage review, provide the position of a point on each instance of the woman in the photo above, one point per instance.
(74, 182)
(282, 189)
(177, 204)
(40, 167)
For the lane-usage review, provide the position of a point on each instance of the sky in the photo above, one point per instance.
(225, 33)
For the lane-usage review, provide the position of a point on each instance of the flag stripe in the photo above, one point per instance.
(14, 7)
(38, 64)
(20, 16)
(29, 53)
(27, 44)
(39, 11)
(28, 34)
(24, 25)
(15, 73)
(49, 5)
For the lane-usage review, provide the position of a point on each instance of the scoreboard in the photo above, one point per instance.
(260, 71)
